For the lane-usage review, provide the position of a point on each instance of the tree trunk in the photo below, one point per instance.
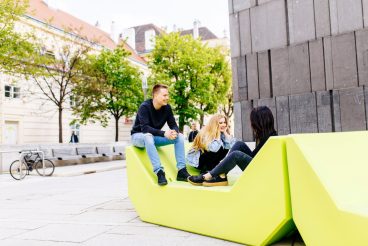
(116, 128)
(201, 120)
(181, 123)
(60, 125)
(201, 116)
(228, 111)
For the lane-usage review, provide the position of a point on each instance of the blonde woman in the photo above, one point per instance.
(211, 144)
(262, 123)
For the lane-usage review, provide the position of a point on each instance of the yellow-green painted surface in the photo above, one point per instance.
(255, 210)
(329, 187)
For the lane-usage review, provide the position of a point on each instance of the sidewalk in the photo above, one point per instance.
(68, 171)
(72, 208)
(75, 170)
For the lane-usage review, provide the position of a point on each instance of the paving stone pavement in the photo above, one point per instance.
(85, 210)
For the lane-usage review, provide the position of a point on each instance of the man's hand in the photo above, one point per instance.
(171, 134)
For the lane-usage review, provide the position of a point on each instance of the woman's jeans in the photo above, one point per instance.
(148, 141)
(239, 155)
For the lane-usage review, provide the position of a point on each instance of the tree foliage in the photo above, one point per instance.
(15, 48)
(113, 88)
(198, 75)
(24, 55)
(217, 86)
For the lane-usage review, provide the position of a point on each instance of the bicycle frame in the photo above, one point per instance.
(32, 152)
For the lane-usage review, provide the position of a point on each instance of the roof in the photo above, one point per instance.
(140, 38)
(204, 33)
(57, 18)
(131, 50)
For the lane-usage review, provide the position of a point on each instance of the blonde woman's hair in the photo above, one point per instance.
(210, 132)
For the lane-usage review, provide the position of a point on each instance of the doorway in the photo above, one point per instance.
(11, 132)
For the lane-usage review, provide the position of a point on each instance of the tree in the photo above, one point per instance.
(55, 69)
(227, 108)
(24, 56)
(216, 91)
(198, 76)
(113, 89)
(14, 47)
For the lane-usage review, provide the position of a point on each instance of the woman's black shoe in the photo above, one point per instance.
(196, 180)
(216, 181)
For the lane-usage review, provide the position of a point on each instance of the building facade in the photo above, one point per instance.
(306, 60)
(25, 117)
(141, 38)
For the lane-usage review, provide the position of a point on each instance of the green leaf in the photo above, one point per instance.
(199, 76)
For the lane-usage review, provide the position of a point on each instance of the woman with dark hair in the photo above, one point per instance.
(262, 124)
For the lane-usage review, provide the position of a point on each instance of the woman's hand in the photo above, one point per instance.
(227, 135)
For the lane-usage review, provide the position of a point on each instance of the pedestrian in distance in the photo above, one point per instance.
(74, 138)
(193, 133)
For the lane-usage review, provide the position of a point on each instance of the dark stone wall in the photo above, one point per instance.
(306, 60)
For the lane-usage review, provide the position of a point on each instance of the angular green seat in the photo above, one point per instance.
(255, 210)
(329, 187)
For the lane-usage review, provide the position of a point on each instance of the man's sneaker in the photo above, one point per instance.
(196, 180)
(161, 178)
(216, 181)
(182, 175)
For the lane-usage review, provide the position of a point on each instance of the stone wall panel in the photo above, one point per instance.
(344, 61)
(252, 76)
(301, 20)
(303, 113)
(268, 25)
(317, 67)
(282, 115)
(245, 33)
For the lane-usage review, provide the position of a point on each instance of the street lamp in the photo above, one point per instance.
(144, 86)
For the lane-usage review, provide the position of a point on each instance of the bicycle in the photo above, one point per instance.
(31, 160)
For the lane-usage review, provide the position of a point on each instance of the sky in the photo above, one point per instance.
(163, 13)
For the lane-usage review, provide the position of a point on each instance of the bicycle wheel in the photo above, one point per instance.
(49, 167)
(18, 170)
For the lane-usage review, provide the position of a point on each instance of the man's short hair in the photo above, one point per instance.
(157, 87)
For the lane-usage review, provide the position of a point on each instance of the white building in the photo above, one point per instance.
(24, 117)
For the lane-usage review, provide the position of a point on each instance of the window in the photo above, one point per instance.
(72, 101)
(12, 91)
(16, 92)
(149, 37)
(7, 90)
(50, 54)
(47, 52)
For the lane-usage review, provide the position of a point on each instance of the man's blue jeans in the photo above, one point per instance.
(148, 141)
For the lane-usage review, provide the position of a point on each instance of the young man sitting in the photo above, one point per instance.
(146, 133)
